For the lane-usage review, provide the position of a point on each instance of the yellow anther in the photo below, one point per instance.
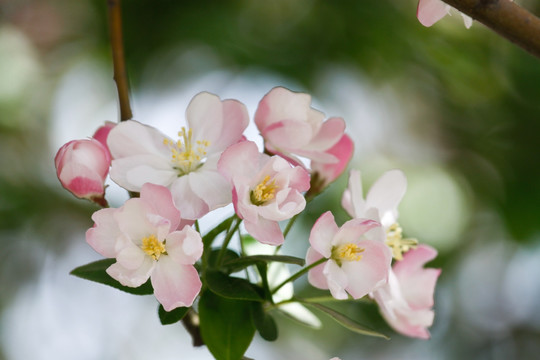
(153, 247)
(395, 240)
(347, 252)
(185, 156)
(263, 192)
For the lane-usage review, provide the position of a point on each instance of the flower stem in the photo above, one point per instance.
(119, 64)
(299, 273)
(289, 225)
(227, 240)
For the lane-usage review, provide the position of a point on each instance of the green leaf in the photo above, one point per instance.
(229, 255)
(346, 321)
(211, 235)
(170, 317)
(96, 272)
(226, 325)
(243, 262)
(264, 322)
(231, 287)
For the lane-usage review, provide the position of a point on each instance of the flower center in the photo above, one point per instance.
(153, 247)
(395, 240)
(263, 192)
(186, 155)
(347, 252)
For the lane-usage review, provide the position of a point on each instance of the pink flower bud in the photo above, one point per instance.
(82, 166)
(102, 133)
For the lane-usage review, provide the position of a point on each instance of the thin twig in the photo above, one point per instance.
(506, 18)
(119, 63)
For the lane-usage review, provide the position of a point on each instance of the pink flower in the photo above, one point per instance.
(358, 260)
(291, 127)
(142, 235)
(431, 11)
(102, 133)
(188, 167)
(82, 167)
(265, 189)
(325, 173)
(406, 300)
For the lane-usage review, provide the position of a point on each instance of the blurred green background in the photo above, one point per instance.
(457, 110)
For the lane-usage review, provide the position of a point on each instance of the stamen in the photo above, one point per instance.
(399, 246)
(185, 156)
(153, 247)
(263, 192)
(347, 252)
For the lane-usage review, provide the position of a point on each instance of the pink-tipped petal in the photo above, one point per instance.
(330, 133)
(191, 206)
(343, 151)
(185, 246)
(265, 231)
(315, 275)
(417, 282)
(371, 271)
(322, 233)
(131, 277)
(159, 199)
(175, 284)
(102, 133)
(239, 160)
(431, 11)
(102, 237)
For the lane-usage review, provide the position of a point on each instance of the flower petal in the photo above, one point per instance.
(385, 195)
(191, 206)
(103, 236)
(315, 275)
(160, 202)
(132, 277)
(185, 246)
(431, 11)
(337, 280)
(175, 284)
(371, 271)
(417, 283)
(133, 172)
(130, 138)
(322, 233)
(265, 231)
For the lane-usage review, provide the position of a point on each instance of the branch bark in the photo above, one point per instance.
(119, 64)
(505, 18)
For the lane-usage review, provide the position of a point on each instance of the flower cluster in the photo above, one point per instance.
(153, 239)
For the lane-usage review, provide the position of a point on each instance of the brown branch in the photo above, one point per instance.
(505, 18)
(119, 64)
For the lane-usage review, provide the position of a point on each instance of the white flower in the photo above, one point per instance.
(188, 167)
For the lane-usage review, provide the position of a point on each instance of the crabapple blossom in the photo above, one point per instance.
(188, 167)
(265, 189)
(431, 11)
(82, 167)
(325, 173)
(380, 205)
(144, 237)
(406, 300)
(358, 260)
(291, 127)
